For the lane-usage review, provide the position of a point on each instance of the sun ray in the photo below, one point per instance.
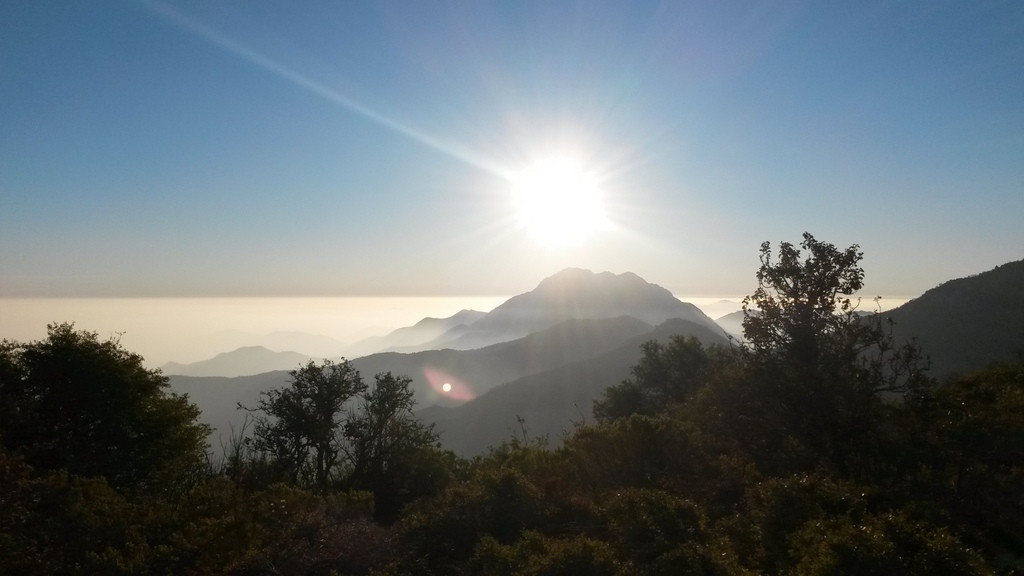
(250, 55)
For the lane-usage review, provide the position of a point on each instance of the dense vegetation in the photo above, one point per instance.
(820, 446)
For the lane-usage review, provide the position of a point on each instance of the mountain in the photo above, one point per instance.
(571, 293)
(244, 361)
(732, 323)
(473, 372)
(569, 320)
(470, 372)
(968, 323)
(549, 401)
(218, 398)
(315, 345)
(413, 336)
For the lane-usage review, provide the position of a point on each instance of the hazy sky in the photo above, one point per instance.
(245, 148)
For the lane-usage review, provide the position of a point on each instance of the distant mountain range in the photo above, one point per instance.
(570, 318)
(571, 294)
(416, 335)
(548, 354)
(244, 361)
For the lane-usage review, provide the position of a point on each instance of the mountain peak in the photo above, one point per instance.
(576, 293)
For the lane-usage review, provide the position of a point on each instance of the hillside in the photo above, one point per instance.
(968, 323)
(218, 398)
(550, 401)
(476, 371)
(411, 337)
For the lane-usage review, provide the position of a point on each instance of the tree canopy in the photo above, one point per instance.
(77, 403)
(328, 428)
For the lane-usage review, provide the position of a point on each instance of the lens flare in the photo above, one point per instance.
(446, 385)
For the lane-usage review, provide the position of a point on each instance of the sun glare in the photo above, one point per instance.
(558, 202)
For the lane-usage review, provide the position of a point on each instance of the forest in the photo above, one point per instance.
(819, 444)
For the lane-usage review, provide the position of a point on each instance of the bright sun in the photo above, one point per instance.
(558, 202)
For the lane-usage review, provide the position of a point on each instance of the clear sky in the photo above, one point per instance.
(250, 147)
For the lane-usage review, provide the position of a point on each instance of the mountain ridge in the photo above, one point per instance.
(572, 293)
(243, 361)
(968, 323)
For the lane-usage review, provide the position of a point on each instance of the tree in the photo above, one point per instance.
(818, 366)
(90, 407)
(328, 428)
(382, 435)
(301, 425)
(666, 374)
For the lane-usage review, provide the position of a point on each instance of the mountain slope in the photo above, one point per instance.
(244, 361)
(549, 401)
(968, 323)
(412, 337)
(218, 398)
(732, 323)
(473, 372)
(572, 293)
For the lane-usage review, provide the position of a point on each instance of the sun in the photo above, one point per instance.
(558, 202)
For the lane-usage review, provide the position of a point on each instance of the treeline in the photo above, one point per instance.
(818, 446)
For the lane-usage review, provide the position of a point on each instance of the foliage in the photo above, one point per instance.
(535, 555)
(967, 453)
(388, 445)
(656, 533)
(666, 374)
(56, 524)
(75, 403)
(301, 426)
(818, 367)
(329, 430)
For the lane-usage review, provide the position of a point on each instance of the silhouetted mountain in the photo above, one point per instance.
(244, 361)
(969, 323)
(549, 401)
(732, 323)
(469, 372)
(572, 293)
(413, 336)
(315, 345)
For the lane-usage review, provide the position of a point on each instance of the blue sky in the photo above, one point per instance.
(247, 148)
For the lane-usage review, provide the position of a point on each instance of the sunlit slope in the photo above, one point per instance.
(550, 401)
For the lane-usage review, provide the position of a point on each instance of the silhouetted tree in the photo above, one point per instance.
(816, 366)
(383, 434)
(666, 374)
(301, 425)
(90, 407)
